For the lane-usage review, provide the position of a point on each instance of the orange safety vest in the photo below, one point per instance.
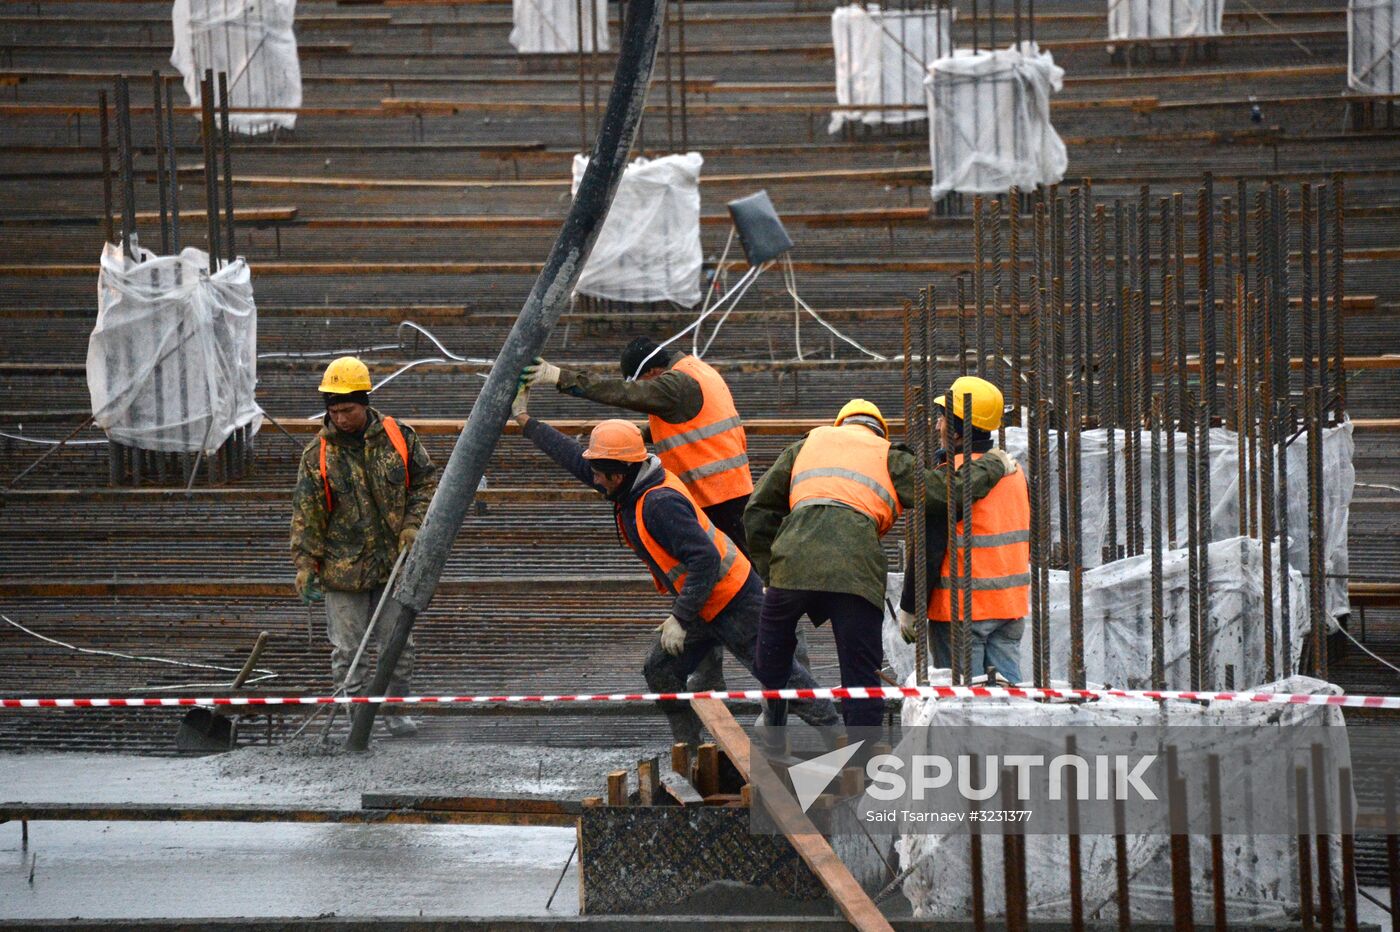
(709, 452)
(396, 438)
(734, 567)
(848, 466)
(1001, 555)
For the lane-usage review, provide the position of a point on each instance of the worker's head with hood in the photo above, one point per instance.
(345, 388)
(644, 359)
(617, 452)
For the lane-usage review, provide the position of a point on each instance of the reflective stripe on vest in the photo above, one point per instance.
(1001, 555)
(847, 466)
(734, 567)
(709, 452)
(396, 439)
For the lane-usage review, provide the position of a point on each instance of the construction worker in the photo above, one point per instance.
(362, 489)
(716, 595)
(815, 524)
(695, 428)
(1001, 554)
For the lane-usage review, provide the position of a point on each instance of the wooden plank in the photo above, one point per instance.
(617, 788)
(855, 904)
(432, 803)
(649, 782)
(681, 790)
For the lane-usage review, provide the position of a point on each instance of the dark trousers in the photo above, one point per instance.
(729, 518)
(735, 628)
(856, 625)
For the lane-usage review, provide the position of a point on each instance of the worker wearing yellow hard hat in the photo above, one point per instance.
(716, 598)
(1000, 543)
(362, 490)
(814, 525)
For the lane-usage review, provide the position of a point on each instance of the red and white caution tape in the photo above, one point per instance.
(853, 692)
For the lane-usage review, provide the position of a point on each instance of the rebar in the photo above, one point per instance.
(1317, 581)
(225, 145)
(979, 294)
(1193, 578)
(965, 546)
(105, 141)
(159, 118)
(1074, 550)
(1013, 214)
(174, 175)
(211, 183)
(124, 156)
(1203, 535)
(1159, 680)
(1339, 384)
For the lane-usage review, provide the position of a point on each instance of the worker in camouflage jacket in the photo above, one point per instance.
(362, 489)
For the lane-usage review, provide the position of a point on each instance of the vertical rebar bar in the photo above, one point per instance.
(1203, 538)
(1339, 383)
(1158, 614)
(1193, 579)
(159, 117)
(979, 293)
(1073, 536)
(105, 140)
(965, 545)
(211, 188)
(962, 325)
(1205, 257)
(1322, 838)
(124, 154)
(1013, 214)
(1303, 818)
(226, 144)
(1317, 580)
(1232, 313)
(174, 175)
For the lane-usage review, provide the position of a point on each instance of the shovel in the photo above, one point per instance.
(204, 731)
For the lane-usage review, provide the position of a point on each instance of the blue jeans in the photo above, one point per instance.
(995, 643)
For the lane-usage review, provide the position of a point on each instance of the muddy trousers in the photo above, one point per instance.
(729, 518)
(347, 617)
(735, 628)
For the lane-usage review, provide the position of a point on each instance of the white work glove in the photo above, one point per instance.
(906, 625)
(540, 372)
(1007, 461)
(520, 405)
(672, 635)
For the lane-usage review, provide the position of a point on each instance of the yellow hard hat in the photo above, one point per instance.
(347, 374)
(987, 403)
(616, 439)
(859, 406)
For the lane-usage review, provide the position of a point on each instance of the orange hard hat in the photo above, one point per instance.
(616, 440)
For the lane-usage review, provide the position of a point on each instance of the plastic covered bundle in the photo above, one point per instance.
(553, 26)
(1157, 19)
(1373, 52)
(172, 361)
(649, 247)
(881, 59)
(989, 121)
(1118, 620)
(1261, 875)
(254, 43)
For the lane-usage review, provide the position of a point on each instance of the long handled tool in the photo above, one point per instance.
(202, 730)
(359, 652)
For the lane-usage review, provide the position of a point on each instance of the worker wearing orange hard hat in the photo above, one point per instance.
(814, 525)
(715, 596)
(362, 490)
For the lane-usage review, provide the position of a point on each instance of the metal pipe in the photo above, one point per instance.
(546, 302)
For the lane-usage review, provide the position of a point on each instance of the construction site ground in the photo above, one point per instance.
(424, 182)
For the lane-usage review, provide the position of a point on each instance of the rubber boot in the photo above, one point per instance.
(400, 726)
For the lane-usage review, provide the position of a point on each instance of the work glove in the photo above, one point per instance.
(906, 626)
(309, 586)
(1007, 461)
(520, 405)
(672, 635)
(540, 372)
(406, 537)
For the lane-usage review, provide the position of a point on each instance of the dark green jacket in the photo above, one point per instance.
(355, 545)
(672, 396)
(831, 548)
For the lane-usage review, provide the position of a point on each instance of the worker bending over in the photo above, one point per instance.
(815, 524)
(694, 427)
(1001, 548)
(717, 598)
(362, 489)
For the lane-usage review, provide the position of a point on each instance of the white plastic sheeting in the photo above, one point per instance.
(1261, 872)
(254, 43)
(1155, 19)
(989, 121)
(649, 247)
(882, 57)
(172, 361)
(1338, 486)
(1373, 52)
(1118, 621)
(543, 26)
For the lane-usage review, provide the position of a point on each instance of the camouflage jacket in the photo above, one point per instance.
(355, 545)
